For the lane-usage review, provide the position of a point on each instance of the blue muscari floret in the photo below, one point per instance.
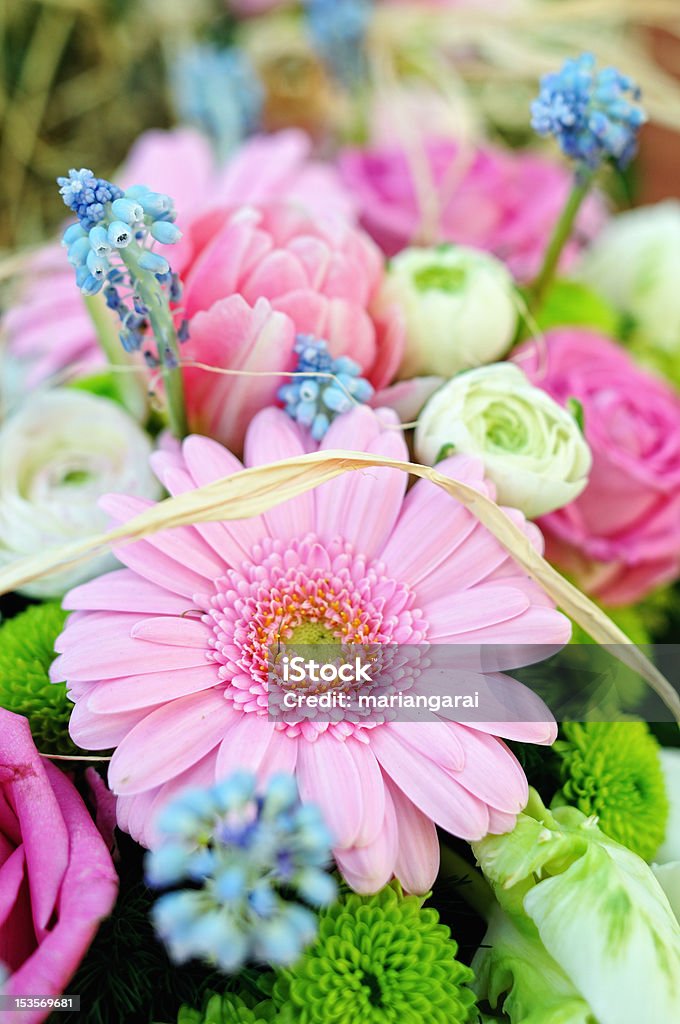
(594, 115)
(87, 196)
(314, 401)
(338, 29)
(252, 858)
(109, 249)
(218, 90)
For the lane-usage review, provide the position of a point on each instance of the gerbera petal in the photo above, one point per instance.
(492, 772)
(368, 868)
(431, 788)
(273, 436)
(364, 505)
(190, 728)
(459, 615)
(125, 591)
(208, 461)
(328, 776)
(133, 692)
(418, 854)
(373, 791)
(181, 543)
(411, 552)
(244, 745)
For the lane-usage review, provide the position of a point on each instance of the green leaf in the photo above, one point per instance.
(570, 303)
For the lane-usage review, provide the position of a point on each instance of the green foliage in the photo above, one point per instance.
(613, 770)
(26, 653)
(377, 959)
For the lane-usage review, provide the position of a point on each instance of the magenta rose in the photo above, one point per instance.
(57, 879)
(621, 537)
(502, 201)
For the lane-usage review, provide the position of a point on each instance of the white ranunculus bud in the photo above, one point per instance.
(533, 449)
(458, 305)
(59, 453)
(635, 264)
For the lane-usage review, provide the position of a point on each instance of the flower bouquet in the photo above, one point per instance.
(339, 537)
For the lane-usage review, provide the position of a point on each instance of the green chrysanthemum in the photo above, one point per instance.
(26, 653)
(229, 1009)
(379, 959)
(612, 769)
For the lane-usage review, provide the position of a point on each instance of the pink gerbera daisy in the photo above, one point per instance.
(183, 698)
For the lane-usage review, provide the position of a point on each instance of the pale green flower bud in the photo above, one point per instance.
(635, 264)
(458, 305)
(532, 449)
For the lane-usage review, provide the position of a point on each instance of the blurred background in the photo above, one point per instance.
(81, 79)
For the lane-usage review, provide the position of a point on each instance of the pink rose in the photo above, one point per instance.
(621, 537)
(57, 880)
(497, 200)
(257, 277)
(180, 163)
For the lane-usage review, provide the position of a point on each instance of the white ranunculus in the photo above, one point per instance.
(59, 453)
(532, 448)
(635, 263)
(458, 305)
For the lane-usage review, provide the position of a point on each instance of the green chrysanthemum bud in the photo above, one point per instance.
(26, 653)
(377, 959)
(613, 770)
(229, 1009)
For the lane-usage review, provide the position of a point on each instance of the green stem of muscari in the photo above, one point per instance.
(474, 888)
(560, 236)
(130, 384)
(154, 298)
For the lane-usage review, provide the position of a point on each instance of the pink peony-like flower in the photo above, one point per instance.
(502, 201)
(184, 698)
(49, 330)
(57, 880)
(621, 537)
(318, 276)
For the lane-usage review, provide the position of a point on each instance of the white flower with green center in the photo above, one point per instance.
(532, 448)
(583, 933)
(59, 454)
(459, 308)
(635, 264)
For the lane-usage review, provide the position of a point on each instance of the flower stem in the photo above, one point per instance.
(130, 386)
(162, 324)
(475, 890)
(559, 238)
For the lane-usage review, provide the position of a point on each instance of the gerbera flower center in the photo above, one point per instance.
(301, 592)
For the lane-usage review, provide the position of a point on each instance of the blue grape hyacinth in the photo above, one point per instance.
(594, 114)
(111, 248)
(247, 863)
(217, 90)
(338, 30)
(313, 399)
